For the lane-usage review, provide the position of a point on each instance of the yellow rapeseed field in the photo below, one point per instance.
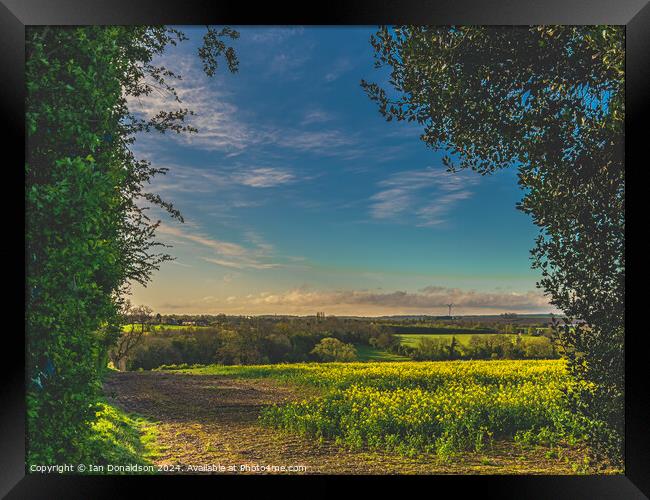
(441, 407)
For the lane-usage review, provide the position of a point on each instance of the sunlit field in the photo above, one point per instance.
(431, 407)
(163, 328)
(412, 339)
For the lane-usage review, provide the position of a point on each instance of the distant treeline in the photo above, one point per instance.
(240, 340)
(255, 340)
(483, 346)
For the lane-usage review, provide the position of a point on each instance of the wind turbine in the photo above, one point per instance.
(450, 306)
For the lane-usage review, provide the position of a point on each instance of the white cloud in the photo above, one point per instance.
(427, 299)
(223, 127)
(323, 142)
(316, 116)
(264, 177)
(209, 179)
(274, 35)
(338, 69)
(286, 65)
(242, 263)
(217, 120)
(219, 246)
(225, 253)
(409, 193)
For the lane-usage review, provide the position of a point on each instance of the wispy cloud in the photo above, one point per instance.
(275, 35)
(242, 263)
(264, 177)
(217, 120)
(409, 193)
(222, 126)
(338, 69)
(219, 246)
(316, 116)
(225, 253)
(183, 178)
(286, 64)
(324, 142)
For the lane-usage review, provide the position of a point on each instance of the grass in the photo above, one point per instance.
(440, 330)
(367, 353)
(412, 339)
(158, 328)
(120, 438)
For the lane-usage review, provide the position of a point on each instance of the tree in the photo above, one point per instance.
(453, 348)
(136, 321)
(331, 349)
(548, 100)
(242, 346)
(431, 348)
(88, 233)
(383, 340)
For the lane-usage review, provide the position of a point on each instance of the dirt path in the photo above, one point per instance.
(213, 421)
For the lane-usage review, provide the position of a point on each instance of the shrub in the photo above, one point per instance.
(331, 349)
(541, 348)
(432, 349)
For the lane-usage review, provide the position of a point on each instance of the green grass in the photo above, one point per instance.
(438, 330)
(367, 353)
(412, 339)
(120, 438)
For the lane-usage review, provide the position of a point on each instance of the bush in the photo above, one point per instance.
(542, 348)
(331, 349)
(432, 349)
(173, 347)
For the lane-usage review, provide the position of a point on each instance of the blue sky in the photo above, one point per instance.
(299, 197)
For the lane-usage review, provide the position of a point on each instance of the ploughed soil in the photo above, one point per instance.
(209, 423)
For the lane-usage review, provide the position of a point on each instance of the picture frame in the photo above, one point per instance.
(15, 15)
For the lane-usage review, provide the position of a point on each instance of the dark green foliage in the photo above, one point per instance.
(331, 349)
(253, 341)
(497, 346)
(548, 100)
(87, 232)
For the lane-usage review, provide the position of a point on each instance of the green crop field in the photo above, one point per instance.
(412, 339)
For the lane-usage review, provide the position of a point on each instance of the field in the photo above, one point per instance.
(458, 417)
(412, 339)
(421, 417)
(434, 407)
(367, 353)
(163, 327)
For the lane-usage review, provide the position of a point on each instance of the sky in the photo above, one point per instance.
(299, 197)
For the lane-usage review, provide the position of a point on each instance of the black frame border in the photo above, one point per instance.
(16, 14)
